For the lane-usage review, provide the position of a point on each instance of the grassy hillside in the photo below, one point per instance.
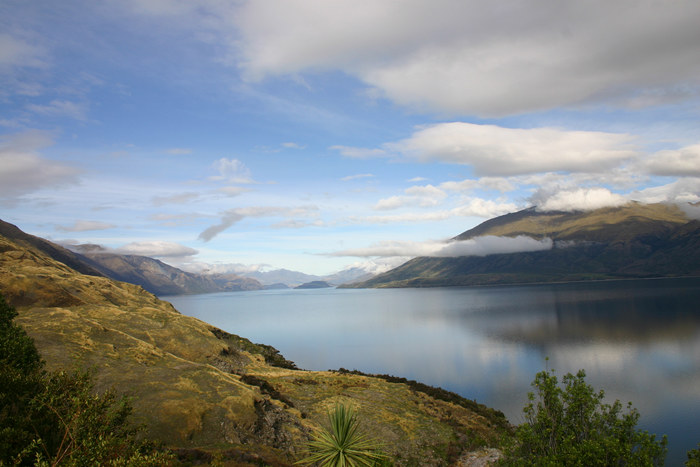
(200, 389)
(632, 241)
(601, 225)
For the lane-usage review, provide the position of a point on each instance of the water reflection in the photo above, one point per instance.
(639, 340)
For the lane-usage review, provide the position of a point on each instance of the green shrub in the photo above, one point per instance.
(571, 426)
(343, 445)
(693, 457)
(58, 418)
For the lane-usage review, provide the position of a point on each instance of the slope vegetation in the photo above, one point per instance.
(199, 389)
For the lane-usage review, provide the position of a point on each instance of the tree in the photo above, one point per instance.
(20, 382)
(57, 418)
(343, 445)
(693, 457)
(572, 426)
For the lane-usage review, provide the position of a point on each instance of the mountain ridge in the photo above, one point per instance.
(631, 241)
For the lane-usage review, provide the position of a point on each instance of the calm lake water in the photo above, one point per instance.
(638, 340)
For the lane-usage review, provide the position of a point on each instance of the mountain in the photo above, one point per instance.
(160, 278)
(282, 276)
(205, 392)
(314, 285)
(631, 241)
(57, 252)
(295, 278)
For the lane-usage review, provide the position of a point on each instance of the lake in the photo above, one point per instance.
(639, 340)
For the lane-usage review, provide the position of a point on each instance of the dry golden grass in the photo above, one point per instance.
(186, 378)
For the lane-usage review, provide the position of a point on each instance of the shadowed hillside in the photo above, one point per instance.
(632, 241)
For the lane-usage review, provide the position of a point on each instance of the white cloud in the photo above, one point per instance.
(685, 190)
(684, 162)
(292, 145)
(231, 171)
(580, 199)
(479, 246)
(15, 52)
(356, 177)
(84, 226)
(179, 151)
(61, 108)
(233, 216)
(423, 196)
(360, 153)
(501, 184)
(233, 190)
(23, 170)
(178, 198)
(487, 59)
(156, 249)
(486, 208)
(496, 151)
(472, 207)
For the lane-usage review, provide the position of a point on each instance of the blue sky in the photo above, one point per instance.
(317, 134)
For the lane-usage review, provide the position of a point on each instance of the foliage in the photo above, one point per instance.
(58, 418)
(20, 383)
(571, 426)
(343, 445)
(693, 457)
(495, 417)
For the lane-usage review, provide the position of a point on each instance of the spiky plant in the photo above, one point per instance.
(343, 445)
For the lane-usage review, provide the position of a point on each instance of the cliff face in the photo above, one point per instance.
(195, 386)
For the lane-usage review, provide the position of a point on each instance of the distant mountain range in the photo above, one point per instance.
(160, 278)
(295, 278)
(631, 241)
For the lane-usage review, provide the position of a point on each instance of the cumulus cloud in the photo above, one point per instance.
(23, 170)
(157, 249)
(479, 246)
(684, 162)
(84, 226)
(422, 196)
(501, 184)
(682, 191)
(580, 199)
(486, 59)
(472, 207)
(497, 151)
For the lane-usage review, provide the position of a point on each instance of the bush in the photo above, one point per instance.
(58, 418)
(693, 457)
(343, 445)
(571, 426)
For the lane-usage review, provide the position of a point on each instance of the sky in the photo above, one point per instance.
(315, 135)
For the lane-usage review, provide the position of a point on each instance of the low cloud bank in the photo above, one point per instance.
(152, 249)
(581, 199)
(479, 246)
